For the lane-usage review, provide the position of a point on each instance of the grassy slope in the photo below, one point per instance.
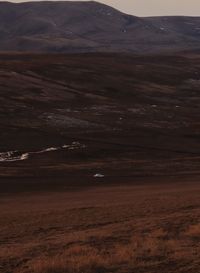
(143, 228)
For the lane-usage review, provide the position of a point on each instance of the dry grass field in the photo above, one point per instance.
(144, 227)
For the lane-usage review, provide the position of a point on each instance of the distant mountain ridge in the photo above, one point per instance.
(91, 27)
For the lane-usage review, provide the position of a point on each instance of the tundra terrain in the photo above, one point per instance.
(143, 227)
(117, 115)
(99, 163)
(89, 26)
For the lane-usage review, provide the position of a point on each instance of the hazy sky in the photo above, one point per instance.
(154, 7)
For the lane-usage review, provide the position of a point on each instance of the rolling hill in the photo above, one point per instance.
(91, 27)
(111, 114)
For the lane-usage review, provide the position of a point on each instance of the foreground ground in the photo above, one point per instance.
(144, 227)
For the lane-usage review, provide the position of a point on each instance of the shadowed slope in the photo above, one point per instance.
(127, 115)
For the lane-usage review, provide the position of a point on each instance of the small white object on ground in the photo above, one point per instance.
(99, 175)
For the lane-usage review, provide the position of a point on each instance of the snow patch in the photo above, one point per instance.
(12, 156)
(48, 150)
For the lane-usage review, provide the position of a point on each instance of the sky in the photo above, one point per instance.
(153, 7)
